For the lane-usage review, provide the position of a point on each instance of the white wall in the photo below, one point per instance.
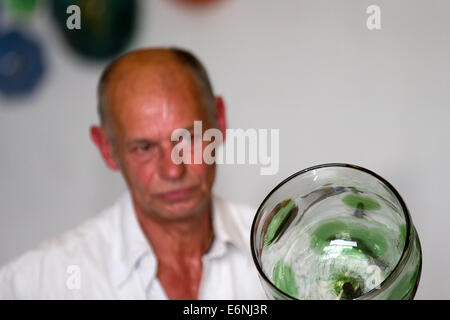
(337, 91)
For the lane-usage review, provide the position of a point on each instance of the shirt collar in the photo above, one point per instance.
(227, 228)
(131, 245)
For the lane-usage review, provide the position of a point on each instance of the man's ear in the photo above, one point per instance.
(221, 116)
(100, 139)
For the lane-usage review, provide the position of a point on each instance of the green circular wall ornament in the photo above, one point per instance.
(20, 8)
(107, 26)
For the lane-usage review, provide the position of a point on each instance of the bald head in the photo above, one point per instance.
(152, 71)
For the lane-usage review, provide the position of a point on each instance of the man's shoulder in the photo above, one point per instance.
(83, 246)
(85, 239)
(236, 220)
(242, 213)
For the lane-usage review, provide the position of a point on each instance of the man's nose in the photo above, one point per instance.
(167, 167)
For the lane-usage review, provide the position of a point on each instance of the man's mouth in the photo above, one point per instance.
(176, 195)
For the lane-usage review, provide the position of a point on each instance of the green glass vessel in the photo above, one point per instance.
(336, 231)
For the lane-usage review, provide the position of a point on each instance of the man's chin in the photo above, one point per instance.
(185, 209)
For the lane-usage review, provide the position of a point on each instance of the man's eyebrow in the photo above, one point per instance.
(188, 128)
(140, 141)
(148, 141)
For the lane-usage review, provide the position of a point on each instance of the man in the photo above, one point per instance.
(168, 236)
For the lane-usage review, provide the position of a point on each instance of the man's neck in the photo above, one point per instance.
(179, 247)
(183, 239)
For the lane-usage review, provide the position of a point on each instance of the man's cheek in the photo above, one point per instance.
(199, 170)
(141, 175)
(203, 173)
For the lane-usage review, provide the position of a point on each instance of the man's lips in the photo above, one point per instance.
(176, 195)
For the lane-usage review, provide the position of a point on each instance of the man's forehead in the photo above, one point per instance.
(150, 93)
(143, 95)
(148, 71)
(155, 122)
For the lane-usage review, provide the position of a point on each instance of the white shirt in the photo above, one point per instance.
(108, 257)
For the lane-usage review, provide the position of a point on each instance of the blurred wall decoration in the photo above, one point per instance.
(21, 63)
(107, 26)
(21, 58)
(20, 8)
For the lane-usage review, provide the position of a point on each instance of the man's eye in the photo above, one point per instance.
(144, 148)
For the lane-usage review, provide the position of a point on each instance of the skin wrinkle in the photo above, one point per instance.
(149, 95)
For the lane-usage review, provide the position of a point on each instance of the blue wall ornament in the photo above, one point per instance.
(21, 63)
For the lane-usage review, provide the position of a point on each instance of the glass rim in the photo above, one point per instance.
(401, 261)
